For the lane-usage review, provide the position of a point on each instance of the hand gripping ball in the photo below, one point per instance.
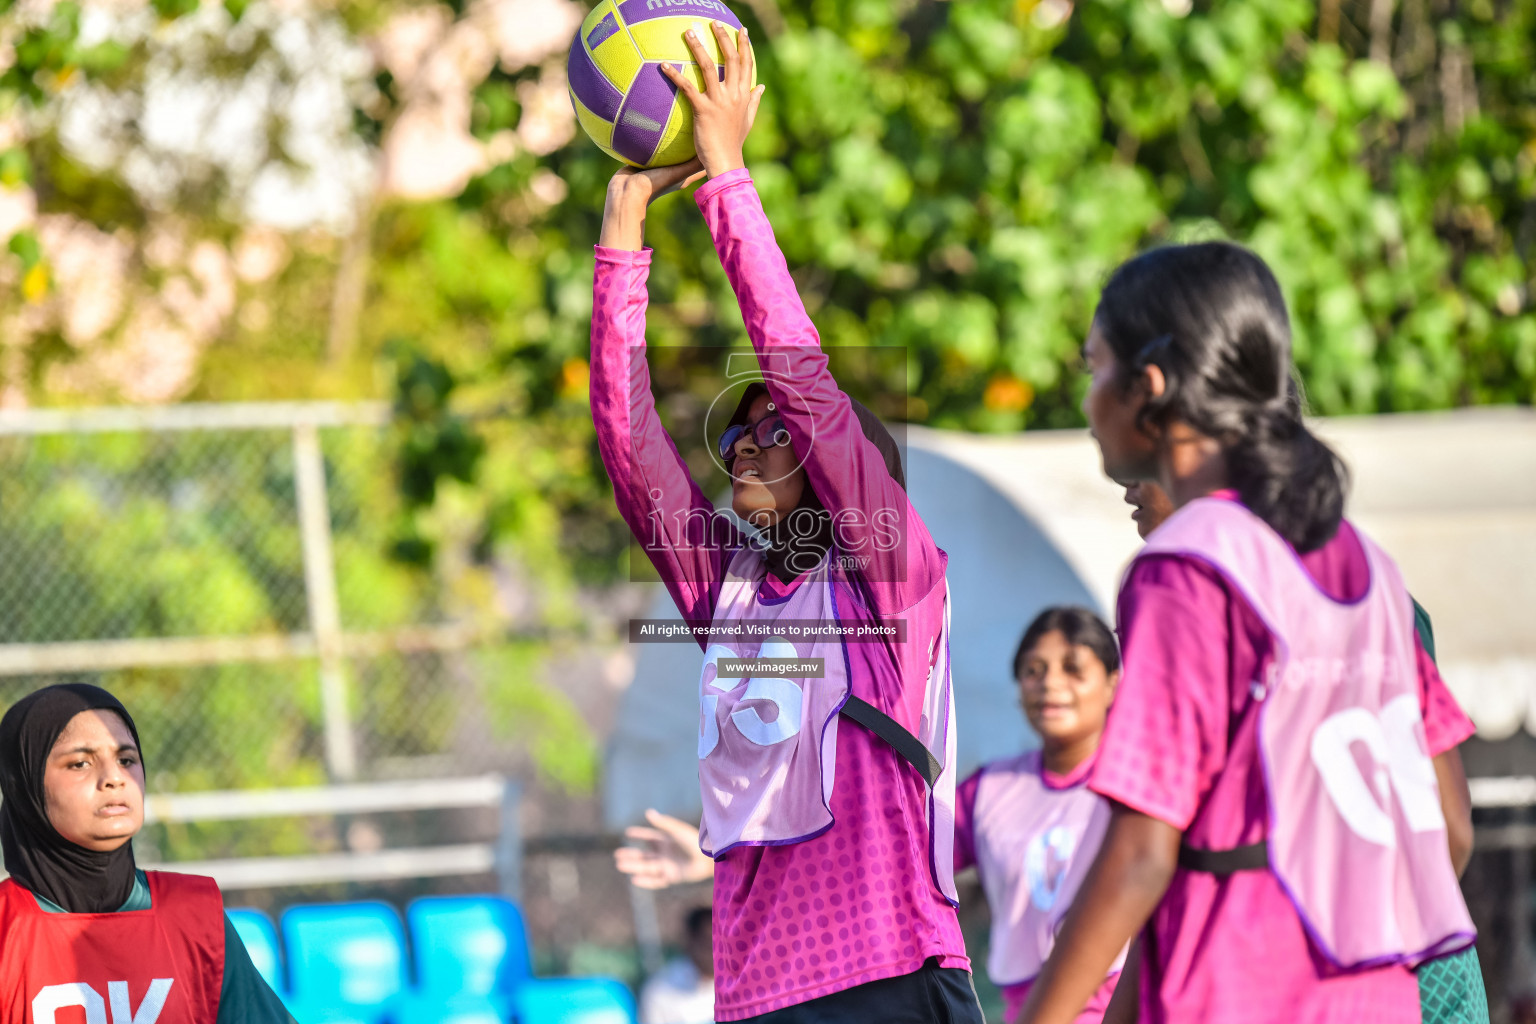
(622, 99)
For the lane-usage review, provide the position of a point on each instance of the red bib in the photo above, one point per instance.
(164, 965)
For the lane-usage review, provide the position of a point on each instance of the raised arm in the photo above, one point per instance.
(873, 520)
(668, 513)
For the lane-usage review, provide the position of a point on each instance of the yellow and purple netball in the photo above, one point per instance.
(632, 110)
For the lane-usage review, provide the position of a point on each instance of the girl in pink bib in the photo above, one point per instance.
(826, 738)
(1280, 755)
(1029, 823)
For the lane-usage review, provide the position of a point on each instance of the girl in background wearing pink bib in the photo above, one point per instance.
(833, 895)
(1029, 823)
(1277, 726)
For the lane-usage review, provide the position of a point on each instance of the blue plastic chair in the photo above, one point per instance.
(259, 935)
(413, 1009)
(346, 961)
(573, 1001)
(471, 954)
(475, 945)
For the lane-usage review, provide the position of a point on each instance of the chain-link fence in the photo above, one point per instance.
(225, 570)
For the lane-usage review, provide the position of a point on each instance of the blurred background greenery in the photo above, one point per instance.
(954, 178)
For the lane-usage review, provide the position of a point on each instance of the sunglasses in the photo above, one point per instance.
(768, 432)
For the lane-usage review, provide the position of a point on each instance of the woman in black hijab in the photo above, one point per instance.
(76, 878)
(80, 925)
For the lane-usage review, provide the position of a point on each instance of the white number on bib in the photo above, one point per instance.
(1046, 860)
(786, 697)
(1413, 773)
(709, 679)
(52, 998)
(1401, 768)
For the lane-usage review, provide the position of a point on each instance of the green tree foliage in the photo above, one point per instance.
(959, 179)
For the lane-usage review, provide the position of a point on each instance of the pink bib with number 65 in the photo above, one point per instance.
(768, 743)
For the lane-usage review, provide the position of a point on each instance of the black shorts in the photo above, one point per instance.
(929, 995)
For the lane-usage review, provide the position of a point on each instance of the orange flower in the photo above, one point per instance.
(1006, 393)
(575, 376)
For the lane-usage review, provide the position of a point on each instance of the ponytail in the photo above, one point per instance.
(1211, 317)
(1288, 478)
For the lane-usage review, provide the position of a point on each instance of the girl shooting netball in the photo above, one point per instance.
(828, 801)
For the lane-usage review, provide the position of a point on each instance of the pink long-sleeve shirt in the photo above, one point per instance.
(857, 903)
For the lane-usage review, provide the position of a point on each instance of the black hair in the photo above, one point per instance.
(697, 923)
(1211, 317)
(1077, 626)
